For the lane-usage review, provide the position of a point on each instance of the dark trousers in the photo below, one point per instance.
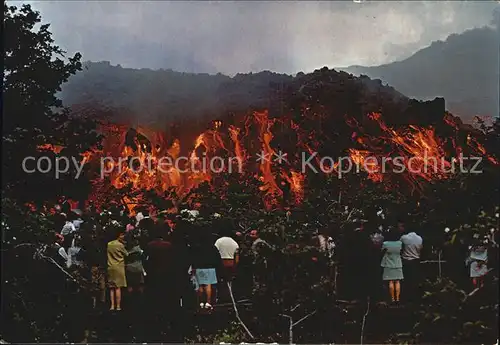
(411, 272)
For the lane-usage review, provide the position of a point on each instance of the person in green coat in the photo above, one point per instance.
(116, 269)
(392, 264)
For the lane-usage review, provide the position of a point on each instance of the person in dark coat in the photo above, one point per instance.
(206, 264)
(358, 263)
(183, 294)
(160, 284)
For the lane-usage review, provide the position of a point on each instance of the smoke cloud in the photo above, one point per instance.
(232, 37)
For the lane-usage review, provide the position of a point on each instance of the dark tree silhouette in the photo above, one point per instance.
(34, 69)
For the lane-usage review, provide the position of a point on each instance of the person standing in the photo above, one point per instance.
(160, 284)
(182, 263)
(75, 254)
(134, 270)
(206, 260)
(392, 264)
(261, 251)
(146, 229)
(412, 247)
(77, 221)
(159, 264)
(355, 263)
(258, 243)
(185, 297)
(59, 253)
(116, 268)
(373, 270)
(96, 257)
(68, 228)
(229, 252)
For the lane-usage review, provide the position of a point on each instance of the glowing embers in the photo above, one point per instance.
(148, 160)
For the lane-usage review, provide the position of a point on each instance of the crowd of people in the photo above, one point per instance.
(163, 262)
(394, 258)
(163, 255)
(382, 259)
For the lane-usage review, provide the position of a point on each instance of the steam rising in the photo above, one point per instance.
(232, 37)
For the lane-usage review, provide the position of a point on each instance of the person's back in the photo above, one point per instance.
(68, 228)
(181, 262)
(392, 256)
(116, 253)
(227, 247)
(205, 255)
(358, 246)
(74, 253)
(160, 283)
(146, 224)
(259, 245)
(159, 264)
(94, 254)
(59, 254)
(77, 223)
(412, 246)
(479, 253)
(134, 259)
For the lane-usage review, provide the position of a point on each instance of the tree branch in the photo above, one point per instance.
(305, 317)
(364, 320)
(290, 328)
(335, 279)
(293, 324)
(39, 253)
(18, 245)
(241, 301)
(236, 311)
(49, 259)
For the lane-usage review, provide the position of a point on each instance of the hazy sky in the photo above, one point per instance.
(231, 37)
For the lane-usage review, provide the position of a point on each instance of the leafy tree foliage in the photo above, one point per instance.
(34, 69)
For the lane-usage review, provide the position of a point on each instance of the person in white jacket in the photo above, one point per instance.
(228, 249)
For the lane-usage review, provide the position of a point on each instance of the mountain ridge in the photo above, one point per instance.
(458, 69)
(145, 95)
(463, 69)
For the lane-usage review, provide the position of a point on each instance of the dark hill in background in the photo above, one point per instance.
(464, 70)
(156, 96)
(322, 106)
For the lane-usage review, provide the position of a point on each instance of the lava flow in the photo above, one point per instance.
(135, 157)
